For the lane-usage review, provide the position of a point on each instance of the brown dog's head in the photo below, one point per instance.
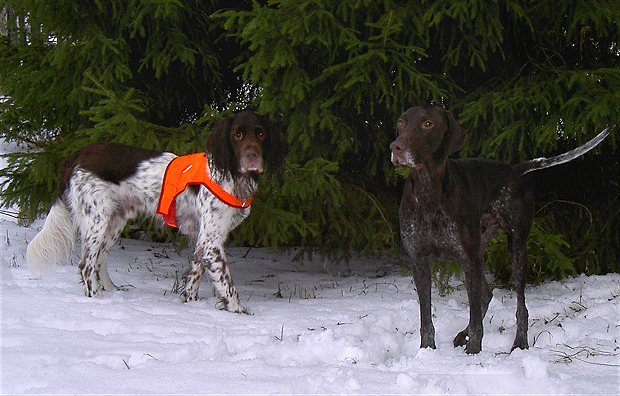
(426, 136)
(244, 144)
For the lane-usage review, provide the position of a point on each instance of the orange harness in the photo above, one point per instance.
(189, 170)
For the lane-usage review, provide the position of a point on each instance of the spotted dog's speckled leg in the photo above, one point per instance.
(92, 267)
(191, 279)
(93, 206)
(115, 227)
(213, 260)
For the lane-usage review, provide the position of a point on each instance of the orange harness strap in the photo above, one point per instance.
(189, 170)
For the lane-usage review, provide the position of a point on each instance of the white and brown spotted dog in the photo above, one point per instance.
(103, 186)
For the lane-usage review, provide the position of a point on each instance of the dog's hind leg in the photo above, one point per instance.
(422, 277)
(89, 271)
(114, 229)
(93, 205)
(518, 253)
(96, 244)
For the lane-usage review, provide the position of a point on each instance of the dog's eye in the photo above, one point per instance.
(238, 135)
(400, 124)
(260, 134)
(427, 124)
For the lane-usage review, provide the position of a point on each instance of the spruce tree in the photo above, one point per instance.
(136, 72)
(525, 78)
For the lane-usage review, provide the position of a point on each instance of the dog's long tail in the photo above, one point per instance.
(541, 163)
(54, 243)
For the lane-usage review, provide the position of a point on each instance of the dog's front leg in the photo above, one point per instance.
(422, 277)
(473, 275)
(485, 299)
(213, 260)
(192, 277)
(225, 290)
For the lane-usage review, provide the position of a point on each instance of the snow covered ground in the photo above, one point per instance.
(315, 327)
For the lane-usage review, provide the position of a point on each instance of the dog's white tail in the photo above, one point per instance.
(541, 163)
(54, 243)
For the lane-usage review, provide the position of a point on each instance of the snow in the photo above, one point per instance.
(315, 327)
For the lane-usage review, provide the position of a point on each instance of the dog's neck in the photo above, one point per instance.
(241, 185)
(245, 185)
(429, 182)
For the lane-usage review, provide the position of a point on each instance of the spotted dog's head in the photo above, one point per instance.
(245, 144)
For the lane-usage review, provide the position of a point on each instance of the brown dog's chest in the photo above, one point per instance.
(430, 233)
(430, 229)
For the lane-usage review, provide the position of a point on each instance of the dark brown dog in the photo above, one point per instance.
(451, 208)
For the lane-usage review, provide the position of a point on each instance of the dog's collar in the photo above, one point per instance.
(189, 170)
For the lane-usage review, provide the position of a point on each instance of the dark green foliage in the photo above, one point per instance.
(136, 72)
(525, 78)
(313, 208)
(546, 254)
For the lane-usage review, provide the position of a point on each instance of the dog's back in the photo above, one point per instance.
(98, 180)
(479, 181)
(110, 162)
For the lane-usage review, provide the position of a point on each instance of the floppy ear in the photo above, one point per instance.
(274, 146)
(220, 146)
(455, 136)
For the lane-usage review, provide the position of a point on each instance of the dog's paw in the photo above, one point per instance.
(91, 290)
(241, 310)
(460, 339)
(237, 308)
(427, 342)
(473, 348)
(187, 297)
(231, 306)
(521, 344)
